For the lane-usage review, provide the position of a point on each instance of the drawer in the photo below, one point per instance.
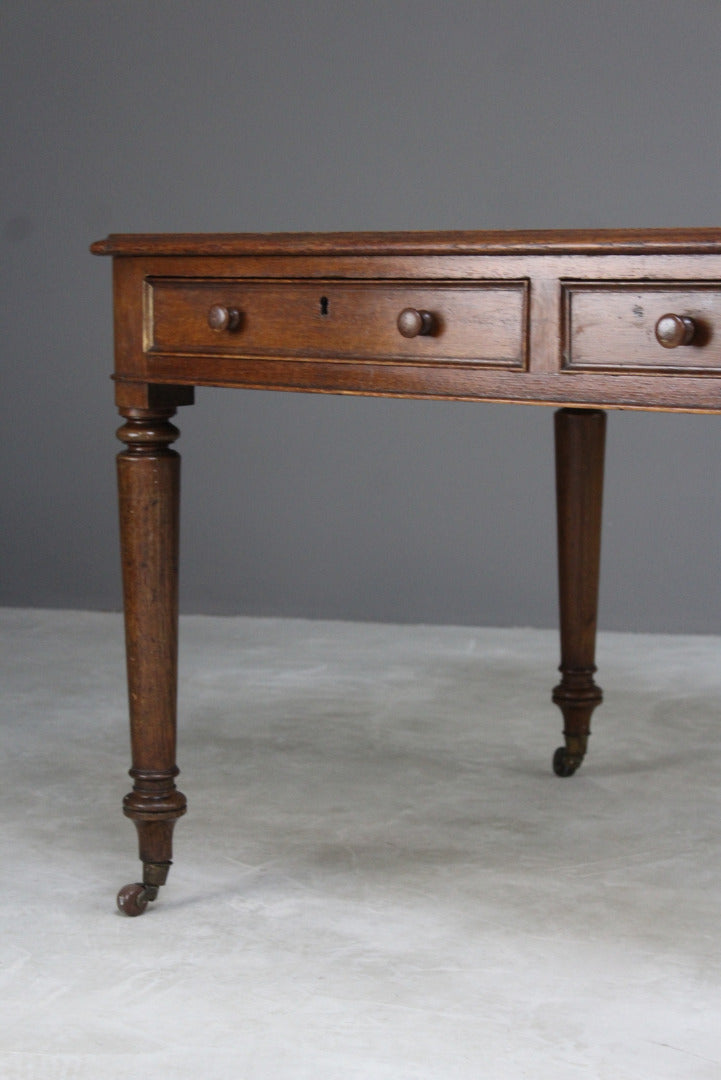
(480, 323)
(613, 326)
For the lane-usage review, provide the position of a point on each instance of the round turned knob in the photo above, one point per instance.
(675, 330)
(221, 317)
(414, 323)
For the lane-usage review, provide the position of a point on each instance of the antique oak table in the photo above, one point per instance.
(581, 320)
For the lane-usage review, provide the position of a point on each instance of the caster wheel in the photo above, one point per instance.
(563, 763)
(133, 899)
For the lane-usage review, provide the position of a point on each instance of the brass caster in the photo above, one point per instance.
(565, 763)
(133, 899)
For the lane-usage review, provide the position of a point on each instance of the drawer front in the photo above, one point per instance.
(614, 327)
(480, 323)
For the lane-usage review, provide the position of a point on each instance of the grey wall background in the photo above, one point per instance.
(237, 115)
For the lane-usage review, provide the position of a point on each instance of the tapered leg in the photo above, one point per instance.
(148, 488)
(580, 443)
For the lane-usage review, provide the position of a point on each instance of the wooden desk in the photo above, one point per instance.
(585, 321)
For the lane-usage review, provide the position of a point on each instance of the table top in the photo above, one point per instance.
(489, 242)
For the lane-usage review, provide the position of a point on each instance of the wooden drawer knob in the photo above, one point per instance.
(675, 330)
(221, 317)
(413, 323)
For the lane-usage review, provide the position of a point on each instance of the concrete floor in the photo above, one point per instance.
(379, 876)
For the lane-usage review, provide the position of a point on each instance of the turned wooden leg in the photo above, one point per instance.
(580, 442)
(148, 489)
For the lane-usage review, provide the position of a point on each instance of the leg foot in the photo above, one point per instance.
(133, 899)
(565, 762)
(576, 696)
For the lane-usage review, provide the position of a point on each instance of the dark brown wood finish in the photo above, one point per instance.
(472, 242)
(580, 444)
(148, 487)
(583, 320)
(479, 323)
